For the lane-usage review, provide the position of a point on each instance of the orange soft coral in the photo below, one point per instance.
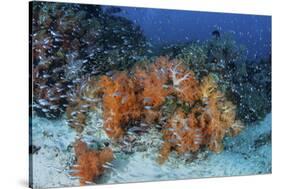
(120, 103)
(202, 118)
(214, 127)
(151, 89)
(218, 116)
(185, 85)
(182, 133)
(206, 124)
(90, 163)
(152, 82)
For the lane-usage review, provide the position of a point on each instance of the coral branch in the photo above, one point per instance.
(174, 72)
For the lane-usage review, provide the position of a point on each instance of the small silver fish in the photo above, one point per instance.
(197, 142)
(45, 76)
(56, 34)
(90, 183)
(73, 178)
(85, 106)
(43, 86)
(60, 90)
(108, 163)
(106, 166)
(54, 107)
(43, 102)
(45, 110)
(148, 107)
(109, 73)
(54, 98)
(73, 113)
(149, 51)
(143, 124)
(84, 61)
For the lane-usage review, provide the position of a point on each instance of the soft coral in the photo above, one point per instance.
(206, 124)
(90, 163)
(119, 103)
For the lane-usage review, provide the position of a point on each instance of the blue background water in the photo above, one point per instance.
(172, 26)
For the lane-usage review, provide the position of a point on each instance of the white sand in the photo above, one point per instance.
(52, 162)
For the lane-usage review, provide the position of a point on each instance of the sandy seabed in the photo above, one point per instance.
(247, 154)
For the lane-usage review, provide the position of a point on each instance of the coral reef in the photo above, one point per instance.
(141, 96)
(202, 115)
(90, 163)
(69, 41)
(187, 98)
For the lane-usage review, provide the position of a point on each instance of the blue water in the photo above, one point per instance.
(172, 26)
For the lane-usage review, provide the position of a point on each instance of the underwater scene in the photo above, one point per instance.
(124, 94)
